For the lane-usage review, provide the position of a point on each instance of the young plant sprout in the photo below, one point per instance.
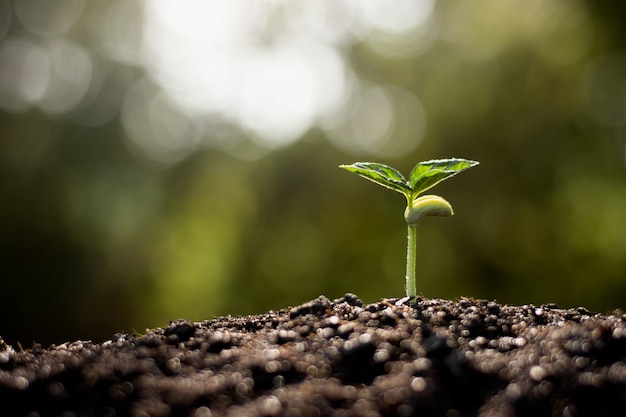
(423, 176)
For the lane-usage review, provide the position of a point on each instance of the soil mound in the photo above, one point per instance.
(396, 357)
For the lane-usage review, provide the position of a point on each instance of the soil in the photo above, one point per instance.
(396, 357)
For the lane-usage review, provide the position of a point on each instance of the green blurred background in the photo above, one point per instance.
(164, 160)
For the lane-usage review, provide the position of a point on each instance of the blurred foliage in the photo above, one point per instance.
(97, 235)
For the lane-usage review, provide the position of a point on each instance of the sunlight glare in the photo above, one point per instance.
(204, 57)
(276, 69)
(277, 99)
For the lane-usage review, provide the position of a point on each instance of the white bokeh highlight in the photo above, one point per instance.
(275, 69)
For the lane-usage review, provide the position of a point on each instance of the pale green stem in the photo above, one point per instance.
(411, 252)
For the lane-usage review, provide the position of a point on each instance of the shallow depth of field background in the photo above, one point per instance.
(163, 160)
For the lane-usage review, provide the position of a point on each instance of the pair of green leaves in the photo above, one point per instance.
(423, 176)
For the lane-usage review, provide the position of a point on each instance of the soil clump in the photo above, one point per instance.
(396, 357)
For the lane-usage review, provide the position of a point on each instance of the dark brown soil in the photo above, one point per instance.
(337, 358)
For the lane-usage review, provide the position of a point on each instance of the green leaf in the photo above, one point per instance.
(429, 173)
(380, 174)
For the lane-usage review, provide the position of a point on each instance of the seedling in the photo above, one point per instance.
(424, 176)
